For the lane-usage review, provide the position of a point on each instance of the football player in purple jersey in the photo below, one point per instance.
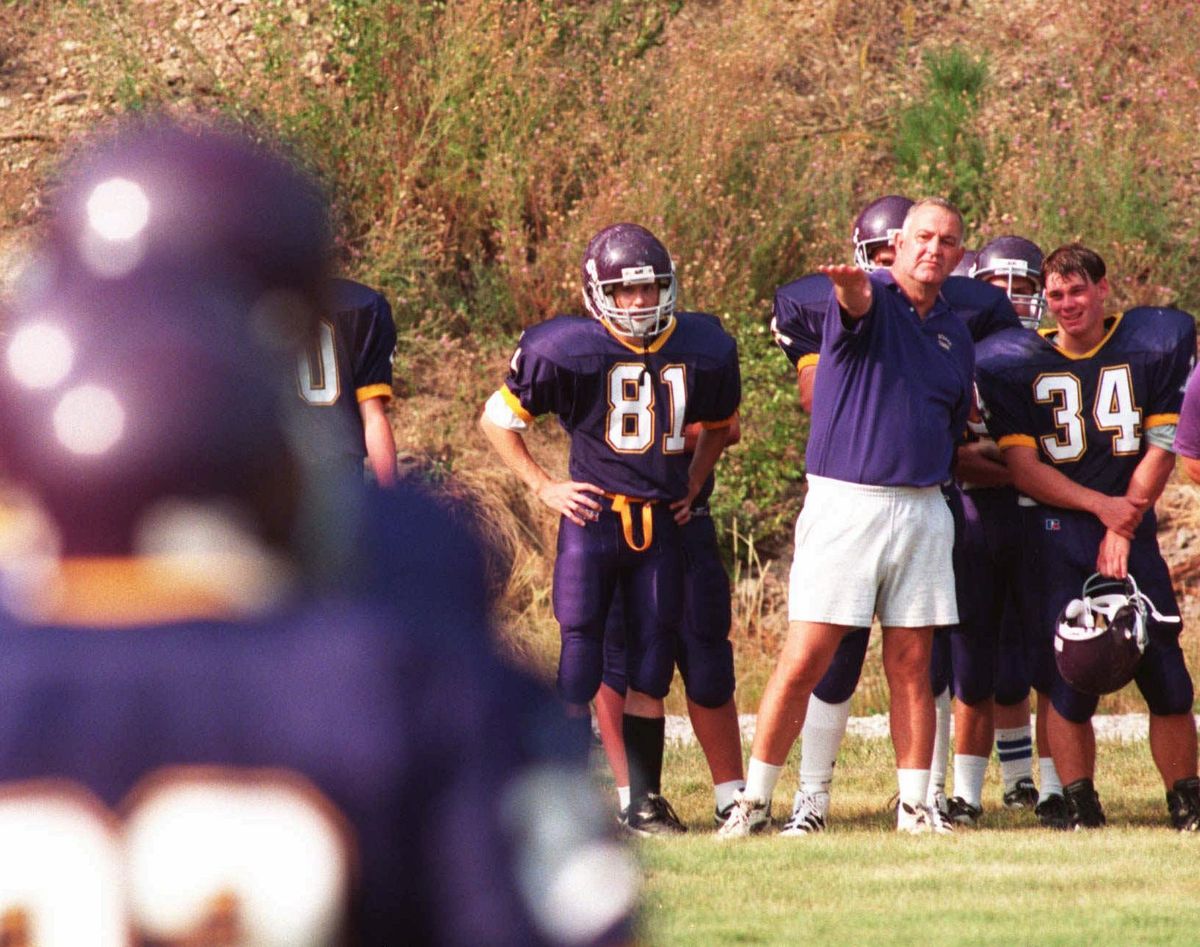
(1086, 415)
(796, 324)
(624, 381)
(203, 741)
(991, 687)
(848, 564)
(345, 375)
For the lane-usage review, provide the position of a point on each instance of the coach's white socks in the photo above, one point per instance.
(761, 779)
(914, 785)
(1050, 784)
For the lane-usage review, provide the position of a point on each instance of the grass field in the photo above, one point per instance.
(1009, 882)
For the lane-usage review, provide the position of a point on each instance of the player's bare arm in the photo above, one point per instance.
(710, 442)
(380, 441)
(1046, 485)
(981, 465)
(566, 497)
(1145, 486)
(805, 382)
(851, 287)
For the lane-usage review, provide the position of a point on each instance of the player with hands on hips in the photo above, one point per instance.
(624, 381)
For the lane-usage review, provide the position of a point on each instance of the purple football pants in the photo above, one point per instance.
(1061, 547)
(705, 656)
(593, 562)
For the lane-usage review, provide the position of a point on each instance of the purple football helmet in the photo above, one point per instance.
(966, 264)
(628, 255)
(1014, 257)
(877, 226)
(148, 357)
(1099, 638)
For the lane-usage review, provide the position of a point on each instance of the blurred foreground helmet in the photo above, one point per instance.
(1100, 638)
(1013, 258)
(876, 226)
(149, 340)
(628, 255)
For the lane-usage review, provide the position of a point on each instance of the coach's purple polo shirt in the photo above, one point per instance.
(1187, 435)
(893, 393)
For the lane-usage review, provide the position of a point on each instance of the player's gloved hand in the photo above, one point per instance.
(1113, 557)
(1121, 514)
(570, 498)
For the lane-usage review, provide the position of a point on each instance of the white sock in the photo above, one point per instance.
(1014, 746)
(761, 779)
(941, 742)
(914, 784)
(1049, 784)
(968, 777)
(623, 797)
(820, 740)
(723, 792)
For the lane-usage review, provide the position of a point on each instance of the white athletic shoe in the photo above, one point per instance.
(746, 817)
(937, 800)
(808, 814)
(919, 820)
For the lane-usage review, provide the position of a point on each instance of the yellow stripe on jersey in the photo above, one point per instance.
(806, 360)
(367, 392)
(1016, 440)
(1157, 420)
(515, 404)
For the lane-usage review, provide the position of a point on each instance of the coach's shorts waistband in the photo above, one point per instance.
(869, 489)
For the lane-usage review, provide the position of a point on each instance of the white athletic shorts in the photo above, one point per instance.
(864, 551)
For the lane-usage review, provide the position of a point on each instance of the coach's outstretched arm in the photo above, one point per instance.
(851, 287)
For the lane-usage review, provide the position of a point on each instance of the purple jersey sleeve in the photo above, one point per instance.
(797, 318)
(1004, 401)
(985, 309)
(1168, 374)
(375, 344)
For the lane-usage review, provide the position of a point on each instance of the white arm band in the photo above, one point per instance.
(500, 414)
(1162, 435)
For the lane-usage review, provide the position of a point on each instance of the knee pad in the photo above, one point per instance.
(840, 680)
(707, 673)
(580, 665)
(1071, 704)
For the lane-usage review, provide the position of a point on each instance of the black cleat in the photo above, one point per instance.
(653, 815)
(1023, 795)
(1083, 805)
(962, 812)
(1183, 799)
(1052, 811)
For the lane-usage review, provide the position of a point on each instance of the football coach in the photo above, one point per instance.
(874, 538)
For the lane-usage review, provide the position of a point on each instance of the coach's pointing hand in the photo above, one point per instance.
(851, 287)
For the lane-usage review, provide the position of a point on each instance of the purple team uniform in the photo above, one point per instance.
(406, 730)
(705, 654)
(625, 410)
(1088, 416)
(348, 362)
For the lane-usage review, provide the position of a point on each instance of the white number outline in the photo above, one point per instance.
(321, 356)
(1064, 391)
(673, 377)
